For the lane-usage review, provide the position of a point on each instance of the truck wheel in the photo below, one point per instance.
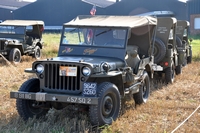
(144, 90)
(178, 69)
(26, 108)
(159, 50)
(15, 55)
(37, 53)
(109, 105)
(170, 74)
(189, 58)
(179, 42)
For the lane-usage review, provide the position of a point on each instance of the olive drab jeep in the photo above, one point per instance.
(101, 60)
(182, 41)
(21, 37)
(165, 50)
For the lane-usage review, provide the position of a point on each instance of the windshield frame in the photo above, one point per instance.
(98, 34)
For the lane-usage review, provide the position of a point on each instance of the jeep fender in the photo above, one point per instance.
(16, 46)
(115, 77)
(39, 44)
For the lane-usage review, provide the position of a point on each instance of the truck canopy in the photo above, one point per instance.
(112, 21)
(21, 23)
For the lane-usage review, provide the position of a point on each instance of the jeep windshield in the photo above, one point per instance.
(12, 29)
(94, 36)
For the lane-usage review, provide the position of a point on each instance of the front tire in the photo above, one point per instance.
(15, 56)
(109, 105)
(26, 108)
(144, 90)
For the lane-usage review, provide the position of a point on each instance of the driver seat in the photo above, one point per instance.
(29, 40)
(132, 58)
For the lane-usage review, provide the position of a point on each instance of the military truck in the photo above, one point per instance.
(183, 41)
(101, 60)
(165, 50)
(21, 37)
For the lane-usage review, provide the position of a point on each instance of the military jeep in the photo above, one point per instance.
(101, 60)
(21, 37)
(182, 41)
(165, 51)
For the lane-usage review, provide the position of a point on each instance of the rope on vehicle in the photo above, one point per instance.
(186, 119)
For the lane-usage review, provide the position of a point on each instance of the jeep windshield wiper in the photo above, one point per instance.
(103, 32)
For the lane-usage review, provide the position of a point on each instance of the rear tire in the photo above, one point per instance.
(144, 91)
(189, 58)
(178, 69)
(37, 53)
(159, 51)
(109, 105)
(15, 56)
(170, 74)
(25, 108)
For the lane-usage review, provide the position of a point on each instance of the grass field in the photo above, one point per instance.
(167, 107)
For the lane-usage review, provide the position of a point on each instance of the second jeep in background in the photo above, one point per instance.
(21, 37)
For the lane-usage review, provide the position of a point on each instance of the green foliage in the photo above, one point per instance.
(195, 47)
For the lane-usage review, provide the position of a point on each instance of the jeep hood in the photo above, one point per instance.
(94, 62)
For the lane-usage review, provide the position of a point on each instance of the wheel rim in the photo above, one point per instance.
(32, 109)
(17, 57)
(145, 90)
(108, 106)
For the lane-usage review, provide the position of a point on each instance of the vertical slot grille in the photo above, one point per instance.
(54, 81)
(2, 45)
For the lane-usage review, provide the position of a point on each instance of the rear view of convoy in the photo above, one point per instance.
(103, 60)
(172, 50)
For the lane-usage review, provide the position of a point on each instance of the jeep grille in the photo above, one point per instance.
(2, 45)
(53, 82)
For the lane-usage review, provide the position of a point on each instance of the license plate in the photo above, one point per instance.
(68, 71)
(80, 100)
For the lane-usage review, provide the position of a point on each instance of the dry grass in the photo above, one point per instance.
(167, 107)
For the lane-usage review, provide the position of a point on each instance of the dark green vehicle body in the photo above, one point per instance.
(183, 40)
(101, 59)
(166, 53)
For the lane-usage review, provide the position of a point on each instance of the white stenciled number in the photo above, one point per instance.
(89, 89)
(89, 100)
(73, 99)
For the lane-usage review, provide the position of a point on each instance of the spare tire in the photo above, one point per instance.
(178, 42)
(159, 50)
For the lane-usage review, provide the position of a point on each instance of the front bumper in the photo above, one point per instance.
(47, 97)
(4, 52)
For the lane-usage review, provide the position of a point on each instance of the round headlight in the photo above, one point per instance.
(39, 68)
(86, 71)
